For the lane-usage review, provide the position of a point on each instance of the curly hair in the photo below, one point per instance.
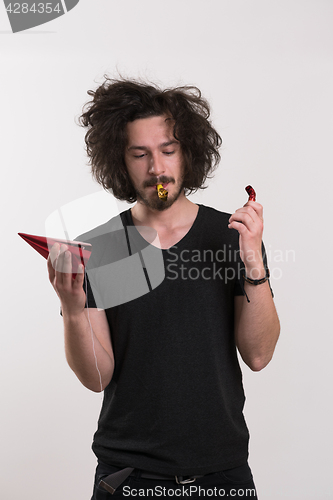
(117, 102)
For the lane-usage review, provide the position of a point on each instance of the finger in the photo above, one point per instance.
(53, 253)
(59, 258)
(244, 210)
(51, 259)
(62, 249)
(79, 278)
(256, 212)
(50, 269)
(244, 217)
(239, 226)
(64, 268)
(256, 207)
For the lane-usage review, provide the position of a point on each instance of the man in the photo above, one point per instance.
(166, 359)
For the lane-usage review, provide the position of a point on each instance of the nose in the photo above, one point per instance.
(156, 166)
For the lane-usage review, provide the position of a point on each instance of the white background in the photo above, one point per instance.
(267, 69)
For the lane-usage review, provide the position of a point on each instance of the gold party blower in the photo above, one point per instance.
(162, 193)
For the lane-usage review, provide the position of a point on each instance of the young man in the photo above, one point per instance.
(171, 421)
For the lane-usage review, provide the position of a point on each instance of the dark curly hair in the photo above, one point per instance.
(117, 102)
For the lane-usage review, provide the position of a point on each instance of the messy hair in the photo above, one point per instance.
(117, 102)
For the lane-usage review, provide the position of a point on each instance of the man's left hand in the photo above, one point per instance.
(249, 222)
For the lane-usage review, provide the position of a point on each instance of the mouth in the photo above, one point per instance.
(158, 186)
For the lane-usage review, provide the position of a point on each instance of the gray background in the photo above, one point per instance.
(267, 68)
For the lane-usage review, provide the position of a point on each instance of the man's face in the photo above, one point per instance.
(153, 156)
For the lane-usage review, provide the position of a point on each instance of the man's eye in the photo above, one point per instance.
(168, 153)
(139, 156)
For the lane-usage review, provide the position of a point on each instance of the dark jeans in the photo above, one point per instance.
(236, 483)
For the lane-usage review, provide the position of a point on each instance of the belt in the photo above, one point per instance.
(111, 482)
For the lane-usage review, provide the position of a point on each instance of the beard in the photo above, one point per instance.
(153, 201)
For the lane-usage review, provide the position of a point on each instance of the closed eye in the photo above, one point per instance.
(168, 153)
(139, 156)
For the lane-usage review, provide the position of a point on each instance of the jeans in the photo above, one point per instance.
(236, 483)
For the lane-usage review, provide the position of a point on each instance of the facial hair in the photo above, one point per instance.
(154, 202)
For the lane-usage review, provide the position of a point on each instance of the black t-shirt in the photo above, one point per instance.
(175, 402)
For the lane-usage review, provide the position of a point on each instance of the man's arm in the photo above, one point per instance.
(87, 332)
(257, 325)
(81, 340)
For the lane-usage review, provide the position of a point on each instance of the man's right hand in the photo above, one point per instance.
(70, 291)
(87, 333)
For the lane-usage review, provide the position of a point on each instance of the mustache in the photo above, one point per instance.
(158, 180)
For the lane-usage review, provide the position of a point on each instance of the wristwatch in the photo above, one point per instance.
(257, 282)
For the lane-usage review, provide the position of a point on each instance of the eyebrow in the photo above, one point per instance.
(163, 145)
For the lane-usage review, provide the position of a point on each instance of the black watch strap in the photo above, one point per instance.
(257, 282)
